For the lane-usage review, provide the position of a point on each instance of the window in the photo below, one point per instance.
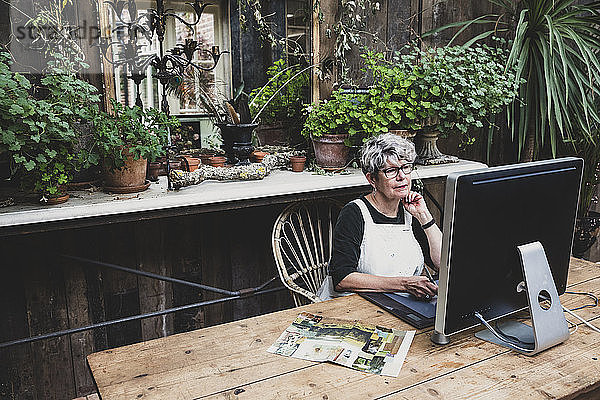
(210, 31)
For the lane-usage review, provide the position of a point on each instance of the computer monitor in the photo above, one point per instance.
(488, 214)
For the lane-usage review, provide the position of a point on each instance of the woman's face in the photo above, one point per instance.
(391, 181)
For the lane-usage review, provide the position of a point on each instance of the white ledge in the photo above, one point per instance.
(277, 187)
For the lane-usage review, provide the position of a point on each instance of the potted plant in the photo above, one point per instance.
(279, 104)
(392, 103)
(38, 134)
(127, 138)
(459, 89)
(587, 226)
(331, 124)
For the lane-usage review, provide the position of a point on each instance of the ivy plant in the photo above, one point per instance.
(142, 133)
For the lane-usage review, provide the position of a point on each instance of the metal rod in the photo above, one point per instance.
(131, 318)
(434, 201)
(168, 279)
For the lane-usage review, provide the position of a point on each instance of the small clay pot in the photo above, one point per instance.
(258, 156)
(298, 163)
(217, 161)
(174, 164)
(153, 170)
(204, 158)
(58, 199)
(189, 163)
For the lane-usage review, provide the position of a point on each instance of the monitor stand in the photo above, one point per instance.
(549, 326)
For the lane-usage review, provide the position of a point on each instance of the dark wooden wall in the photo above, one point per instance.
(41, 292)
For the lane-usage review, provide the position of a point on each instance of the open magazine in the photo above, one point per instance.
(354, 344)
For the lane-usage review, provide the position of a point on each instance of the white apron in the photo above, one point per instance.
(385, 250)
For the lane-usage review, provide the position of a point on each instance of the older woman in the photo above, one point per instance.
(375, 246)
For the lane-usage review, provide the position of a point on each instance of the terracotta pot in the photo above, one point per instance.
(330, 151)
(298, 163)
(204, 158)
(175, 164)
(59, 199)
(271, 134)
(189, 163)
(258, 156)
(217, 161)
(154, 168)
(131, 177)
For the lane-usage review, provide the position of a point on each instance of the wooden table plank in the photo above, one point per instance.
(230, 360)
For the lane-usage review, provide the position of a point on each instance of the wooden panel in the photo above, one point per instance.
(16, 374)
(76, 242)
(47, 312)
(326, 46)
(183, 255)
(402, 22)
(376, 24)
(245, 259)
(218, 236)
(117, 244)
(154, 294)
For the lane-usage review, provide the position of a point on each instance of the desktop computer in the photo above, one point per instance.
(507, 236)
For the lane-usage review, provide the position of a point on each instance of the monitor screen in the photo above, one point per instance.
(488, 213)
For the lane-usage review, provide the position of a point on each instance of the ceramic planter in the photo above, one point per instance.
(405, 133)
(204, 157)
(217, 161)
(189, 164)
(330, 151)
(130, 178)
(275, 134)
(237, 142)
(586, 233)
(298, 163)
(154, 168)
(258, 156)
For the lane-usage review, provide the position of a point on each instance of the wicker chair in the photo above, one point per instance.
(302, 239)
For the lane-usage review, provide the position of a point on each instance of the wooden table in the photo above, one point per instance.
(230, 361)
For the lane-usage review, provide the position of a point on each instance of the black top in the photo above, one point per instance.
(348, 236)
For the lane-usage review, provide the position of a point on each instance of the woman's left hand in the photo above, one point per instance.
(414, 203)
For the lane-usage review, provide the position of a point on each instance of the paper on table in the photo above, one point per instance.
(353, 344)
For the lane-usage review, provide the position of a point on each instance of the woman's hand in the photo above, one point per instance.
(414, 203)
(419, 286)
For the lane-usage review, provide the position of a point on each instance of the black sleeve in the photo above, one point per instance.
(347, 238)
(422, 239)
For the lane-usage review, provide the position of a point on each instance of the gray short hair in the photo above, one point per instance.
(387, 146)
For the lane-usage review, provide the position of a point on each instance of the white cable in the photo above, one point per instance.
(581, 319)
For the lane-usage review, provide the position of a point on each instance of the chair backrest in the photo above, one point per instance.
(302, 241)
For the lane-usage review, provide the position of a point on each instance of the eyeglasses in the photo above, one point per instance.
(393, 172)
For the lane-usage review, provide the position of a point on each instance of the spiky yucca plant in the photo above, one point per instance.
(555, 49)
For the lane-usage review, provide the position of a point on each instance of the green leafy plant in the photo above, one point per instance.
(38, 134)
(555, 48)
(393, 102)
(339, 115)
(463, 87)
(142, 133)
(282, 97)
